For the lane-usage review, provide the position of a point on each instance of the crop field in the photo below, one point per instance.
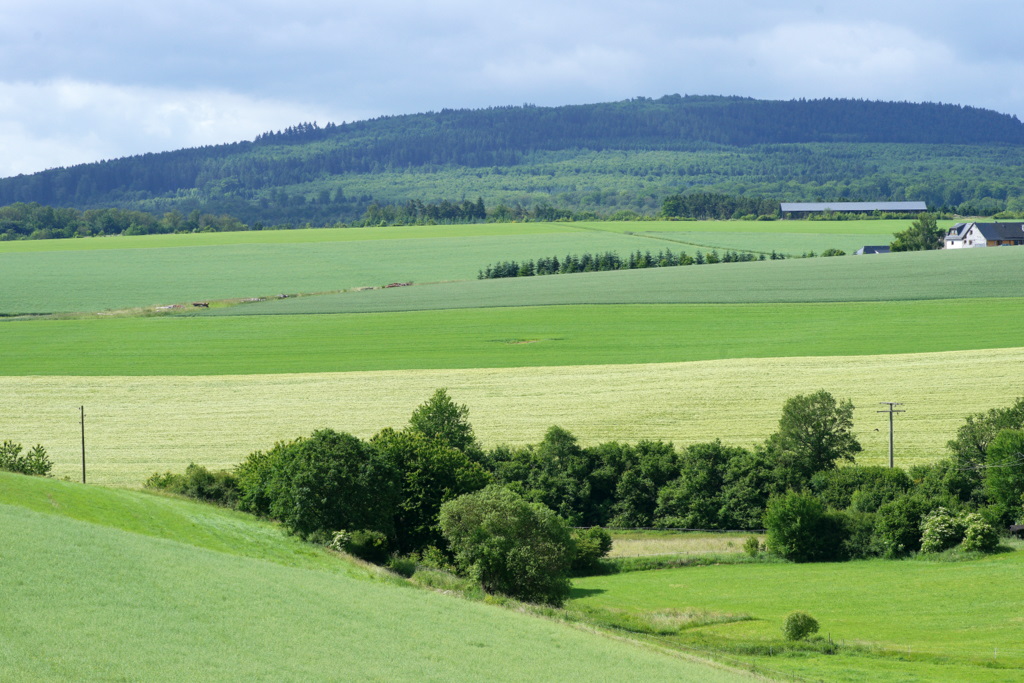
(643, 543)
(93, 274)
(126, 598)
(139, 425)
(894, 277)
(965, 625)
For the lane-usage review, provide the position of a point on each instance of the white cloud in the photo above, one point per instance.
(64, 122)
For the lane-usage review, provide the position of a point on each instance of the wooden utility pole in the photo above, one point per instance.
(892, 405)
(81, 409)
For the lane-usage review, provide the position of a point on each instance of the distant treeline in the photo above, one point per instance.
(612, 261)
(32, 221)
(574, 156)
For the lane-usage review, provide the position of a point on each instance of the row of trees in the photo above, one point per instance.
(34, 221)
(612, 261)
(425, 491)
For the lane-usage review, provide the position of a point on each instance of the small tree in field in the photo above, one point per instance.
(513, 547)
(923, 234)
(36, 461)
(799, 625)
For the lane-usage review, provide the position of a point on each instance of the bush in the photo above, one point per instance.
(591, 545)
(403, 566)
(941, 531)
(979, 535)
(511, 546)
(800, 529)
(368, 545)
(799, 625)
(197, 482)
(34, 462)
(752, 546)
(898, 526)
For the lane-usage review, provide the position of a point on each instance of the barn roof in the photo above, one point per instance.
(858, 207)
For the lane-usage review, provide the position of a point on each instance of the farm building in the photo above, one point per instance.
(873, 250)
(802, 210)
(963, 235)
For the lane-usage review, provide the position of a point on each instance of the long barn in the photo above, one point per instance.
(804, 209)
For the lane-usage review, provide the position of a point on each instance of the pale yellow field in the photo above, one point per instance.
(645, 544)
(138, 425)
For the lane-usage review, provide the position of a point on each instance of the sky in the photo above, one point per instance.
(87, 81)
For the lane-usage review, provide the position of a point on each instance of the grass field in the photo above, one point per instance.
(503, 337)
(649, 543)
(138, 425)
(102, 601)
(46, 276)
(892, 277)
(914, 620)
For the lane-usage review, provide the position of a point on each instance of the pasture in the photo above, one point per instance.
(915, 619)
(138, 425)
(126, 598)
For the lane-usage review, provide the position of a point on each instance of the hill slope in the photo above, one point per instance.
(83, 601)
(321, 174)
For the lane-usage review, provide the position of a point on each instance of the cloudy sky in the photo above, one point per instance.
(84, 81)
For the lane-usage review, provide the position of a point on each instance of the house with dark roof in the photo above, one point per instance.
(884, 249)
(804, 209)
(964, 235)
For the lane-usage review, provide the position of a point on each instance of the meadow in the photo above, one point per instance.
(102, 273)
(965, 625)
(139, 425)
(126, 597)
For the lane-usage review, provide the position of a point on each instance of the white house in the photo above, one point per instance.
(963, 235)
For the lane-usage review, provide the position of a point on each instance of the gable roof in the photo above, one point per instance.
(1001, 231)
(859, 207)
(874, 250)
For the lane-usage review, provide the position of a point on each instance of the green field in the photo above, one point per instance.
(128, 597)
(912, 620)
(138, 425)
(47, 276)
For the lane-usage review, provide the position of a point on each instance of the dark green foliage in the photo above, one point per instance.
(814, 432)
(751, 479)
(898, 526)
(511, 546)
(858, 534)
(431, 473)
(642, 470)
(371, 546)
(403, 566)
(197, 482)
(694, 499)
(1004, 473)
(590, 546)
(799, 625)
(863, 488)
(443, 420)
(948, 483)
(607, 261)
(833, 252)
(800, 529)
(923, 234)
(35, 461)
(941, 530)
(752, 546)
(970, 446)
(323, 483)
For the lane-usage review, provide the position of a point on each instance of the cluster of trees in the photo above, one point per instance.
(431, 492)
(612, 261)
(712, 205)
(922, 235)
(415, 212)
(34, 221)
(14, 458)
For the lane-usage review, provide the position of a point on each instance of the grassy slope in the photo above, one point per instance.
(503, 337)
(138, 425)
(118, 272)
(891, 277)
(83, 601)
(960, 611)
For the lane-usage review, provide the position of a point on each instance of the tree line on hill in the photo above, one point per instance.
(410, 495)
(611, 261)
(758, 149)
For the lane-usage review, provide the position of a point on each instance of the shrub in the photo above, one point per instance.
(941, 531)
(403, 566)
(799, 625)
(752, 546)
(366, 544)
(591, 545)
(520, 549)
(979, 535)
(800, 529)
(833, 252)
(898, 526)
(34, 462)
(200, 483)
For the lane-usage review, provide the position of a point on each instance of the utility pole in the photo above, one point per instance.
(81, 409)
(892, 405)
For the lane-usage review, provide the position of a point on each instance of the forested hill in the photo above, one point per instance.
(280, 172)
